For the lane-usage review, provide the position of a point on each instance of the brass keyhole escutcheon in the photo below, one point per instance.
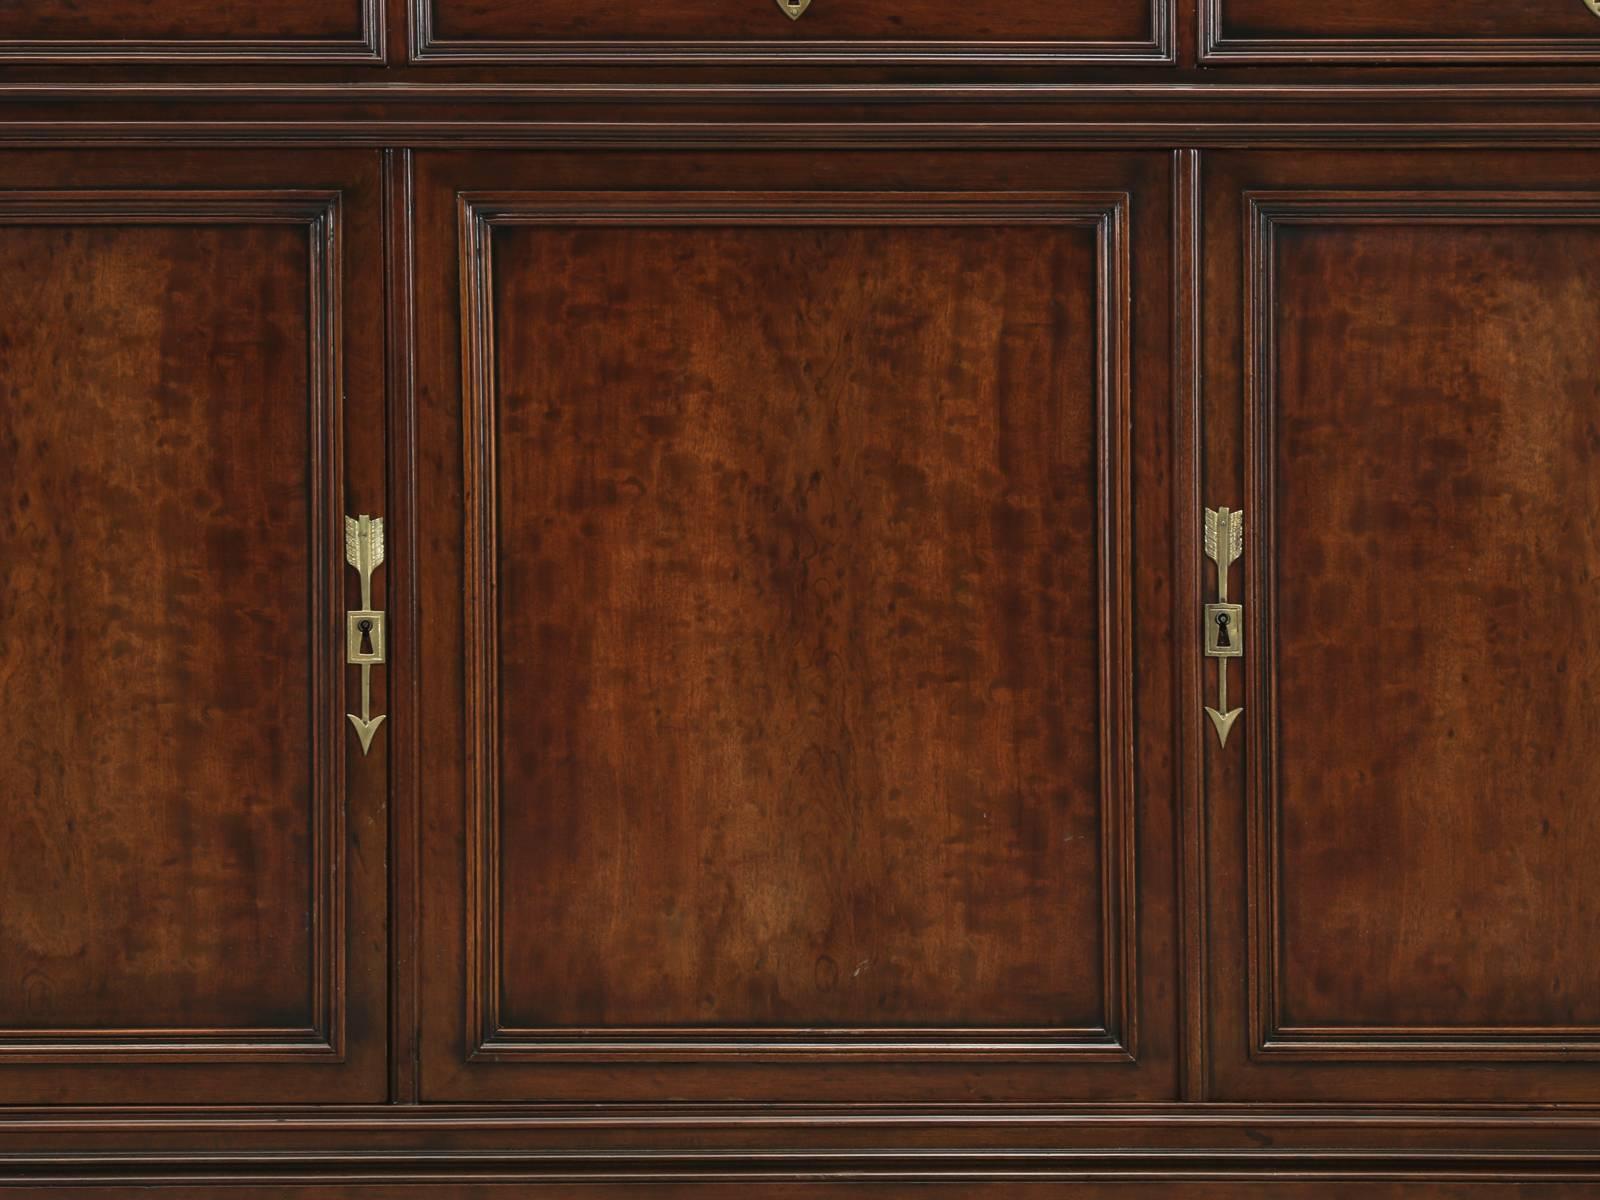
(1593, 6)
(793, 8)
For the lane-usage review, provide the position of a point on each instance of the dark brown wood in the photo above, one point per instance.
(719, 31)
(752, 710)
(1417, 850)
(177, 888)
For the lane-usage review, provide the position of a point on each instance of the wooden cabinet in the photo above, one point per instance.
(676, 600)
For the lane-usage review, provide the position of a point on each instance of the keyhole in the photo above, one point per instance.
(365, 627)
(1222, 630)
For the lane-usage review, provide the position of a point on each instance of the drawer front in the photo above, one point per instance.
(182, 31)
(1379, 32)
(787, 31)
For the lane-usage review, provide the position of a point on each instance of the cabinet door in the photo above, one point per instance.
(1405, 839)
(796, 655)
(191, 890)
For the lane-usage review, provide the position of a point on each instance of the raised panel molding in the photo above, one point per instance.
(324, 1037)
(365, 45)
(1271, 1037)
(487, 1038)
(428, 46)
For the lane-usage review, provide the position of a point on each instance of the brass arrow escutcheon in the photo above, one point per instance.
(1224, 622)
(364, 627)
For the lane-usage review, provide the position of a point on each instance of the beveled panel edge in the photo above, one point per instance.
(1106, 212)
(1269, 1037)
(320, 213)
(368, 47)
(425, 47)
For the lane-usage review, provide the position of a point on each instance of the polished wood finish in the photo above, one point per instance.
(1417, 853)
(720, 31)
(753, 605)
(176, 870)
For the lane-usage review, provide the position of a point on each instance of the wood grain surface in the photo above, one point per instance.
(155, 538)
(799, 627)
(1438, 661)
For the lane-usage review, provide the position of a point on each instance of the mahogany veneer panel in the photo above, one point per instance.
(157, 638)
(799, 627)
(1437, 653)
(828, 31)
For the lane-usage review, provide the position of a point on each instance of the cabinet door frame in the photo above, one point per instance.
(342, 1054)
(465, 1054)
(1248, 197)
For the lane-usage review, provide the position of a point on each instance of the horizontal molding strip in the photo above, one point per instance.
(410, 91)
(820, 135)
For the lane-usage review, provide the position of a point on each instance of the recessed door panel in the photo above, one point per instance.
(797, 632)
(1419, 794)
(176, 880)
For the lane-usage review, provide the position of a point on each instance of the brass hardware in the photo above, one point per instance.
(363, 636)
(365, 643)
(793, 8)
(1594, 6)
(1224, 622)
